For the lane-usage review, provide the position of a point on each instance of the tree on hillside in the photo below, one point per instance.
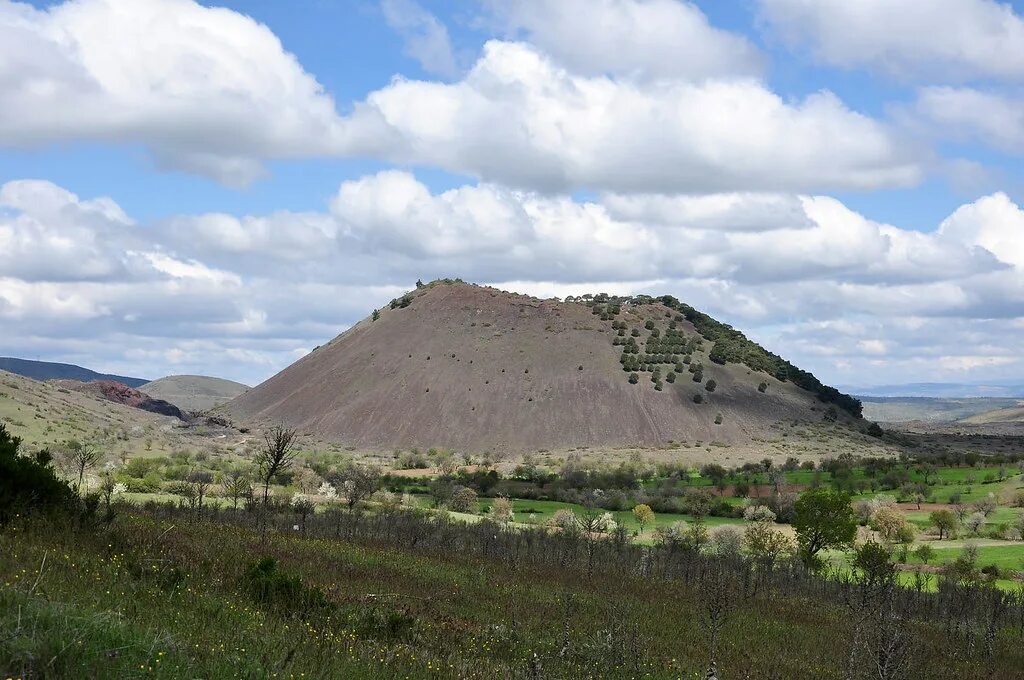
(82, 457)
(275, 456)
(823, 519)
(644, 515)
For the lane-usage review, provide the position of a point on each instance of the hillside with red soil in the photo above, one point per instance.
(120, 393)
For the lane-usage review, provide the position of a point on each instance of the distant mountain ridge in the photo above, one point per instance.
(48, 370)
(999, 389)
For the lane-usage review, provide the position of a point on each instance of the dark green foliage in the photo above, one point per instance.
(671, 377)
(658, 385)
(698, 399)
(875, 430)
(710, 386)
(730, 345)
(649, 325)
(375, 315)
(763, 387)
(679, 367)
(633, 378)
(823, 519)
(270, 586)
(698, 376)
(635, 333)
(718, 419)
(29, 484)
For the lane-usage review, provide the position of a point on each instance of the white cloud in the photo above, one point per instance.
(208, 90)
(211, 91)
(967, 114)
(816, 281)
(994, 223)
(950, 39)
(520, 119)
(426, 38)
(631, 38)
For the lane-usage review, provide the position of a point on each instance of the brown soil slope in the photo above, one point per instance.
(473, 368)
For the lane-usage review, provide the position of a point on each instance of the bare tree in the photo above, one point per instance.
(275, 456)
(82, 457)
(200, 481)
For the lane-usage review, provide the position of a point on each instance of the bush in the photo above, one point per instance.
(763, 387)
(463, 500)
(698, 399)
(28, 484)
(710, 386)
(633, 378)
(268, 585)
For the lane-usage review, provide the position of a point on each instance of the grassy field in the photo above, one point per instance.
(172, 599)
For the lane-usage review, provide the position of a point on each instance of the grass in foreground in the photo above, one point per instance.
(151, 598)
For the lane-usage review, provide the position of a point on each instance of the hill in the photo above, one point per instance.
(193, 393)
(122, 394)
(48, 414)
(930, 409)
(1013, 414)
(46, 370)
(999, 389)
(474, 368)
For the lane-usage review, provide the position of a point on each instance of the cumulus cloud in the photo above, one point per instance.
(968, 114)
(208, 90)
(521, 119)
(212, 92)
(950, 39)
(196, 283)
(631, 38)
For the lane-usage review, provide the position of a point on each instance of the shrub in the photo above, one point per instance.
(633, 378)
(268, 585)
(463, 500)
(671, 377)
(698, 376)
(649, 325)
(763, 387)
(718, 419)
(698, 399)
(29, 483)
(710, 386)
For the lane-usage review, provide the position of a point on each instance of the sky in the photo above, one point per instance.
(218, 188)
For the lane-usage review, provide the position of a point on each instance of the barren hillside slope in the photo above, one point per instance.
(473, 368)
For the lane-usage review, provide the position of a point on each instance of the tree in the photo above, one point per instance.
(925, 553)
(986, 505)
(275, 456)
(710, 385)
(81, 458)
(237, 485)
(892, 526)
(356, 483)
(376, 315)
(501, 510)
(945, 521)
(766, 544)
(643, 514)
(463, 500)
(823, 519)
(200, 481)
